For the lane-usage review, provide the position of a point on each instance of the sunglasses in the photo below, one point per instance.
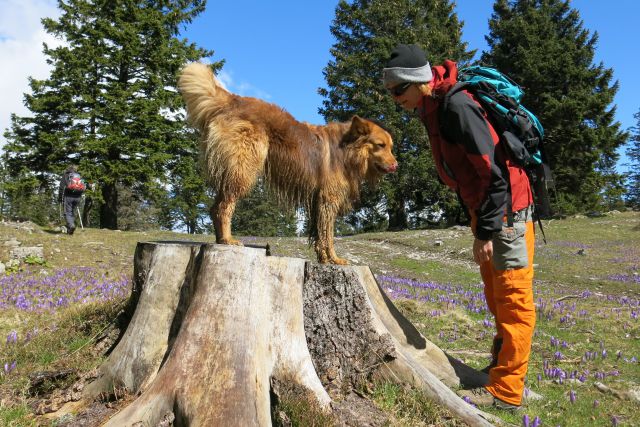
(400, 89)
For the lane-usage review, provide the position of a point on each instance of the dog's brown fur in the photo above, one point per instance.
(320, 167)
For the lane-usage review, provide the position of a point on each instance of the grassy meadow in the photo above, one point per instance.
(55, 311)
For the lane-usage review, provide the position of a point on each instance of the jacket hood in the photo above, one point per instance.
(444, 77)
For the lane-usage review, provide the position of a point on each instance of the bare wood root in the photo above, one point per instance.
(163, 275)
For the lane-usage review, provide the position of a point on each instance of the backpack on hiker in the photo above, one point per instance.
(75, 184)
(520, 130)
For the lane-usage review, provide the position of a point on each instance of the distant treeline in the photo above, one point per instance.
(110, 105)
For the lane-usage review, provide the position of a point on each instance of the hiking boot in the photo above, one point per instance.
(500, 404)
(70, 230)
(481, 397)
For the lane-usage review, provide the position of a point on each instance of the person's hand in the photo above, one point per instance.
(482, 251)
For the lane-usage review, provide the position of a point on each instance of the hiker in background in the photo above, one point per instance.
(472, 160)
(70, 192)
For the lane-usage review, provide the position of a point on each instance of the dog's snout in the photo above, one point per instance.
(392, 168)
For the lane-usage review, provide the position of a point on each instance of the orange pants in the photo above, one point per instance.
(509, 295)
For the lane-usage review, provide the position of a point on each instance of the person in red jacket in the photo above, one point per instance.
(472, 161)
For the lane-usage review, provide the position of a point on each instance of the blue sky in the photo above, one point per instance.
(276, 50)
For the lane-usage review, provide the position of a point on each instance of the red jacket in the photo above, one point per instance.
(469, 155)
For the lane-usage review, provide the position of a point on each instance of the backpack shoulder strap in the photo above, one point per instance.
(446, 100)
(454, 89)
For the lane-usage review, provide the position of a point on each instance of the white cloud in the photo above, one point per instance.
(225, 79)
(240, 88)
(21, 38)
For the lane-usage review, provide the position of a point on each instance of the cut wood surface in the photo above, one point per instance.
(214, 327)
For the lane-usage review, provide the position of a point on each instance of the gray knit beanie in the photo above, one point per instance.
(407, 64)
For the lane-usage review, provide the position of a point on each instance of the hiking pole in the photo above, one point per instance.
(79, 216)
(62, 227)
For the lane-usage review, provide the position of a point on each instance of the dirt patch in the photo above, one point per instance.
(358, 411)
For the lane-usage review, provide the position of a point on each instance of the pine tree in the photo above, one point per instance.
(543, 46)
(633, 152)
(187, 204)
(4, 196)
(259, 214)
(24, 197)
(110, 102)
(366, 31)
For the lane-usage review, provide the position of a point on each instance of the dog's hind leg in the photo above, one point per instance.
(236, 154)
(221, 214)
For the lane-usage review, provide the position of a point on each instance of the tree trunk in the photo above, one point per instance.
(109, 207)
(214, 327)
(397, 215)
(86, 211)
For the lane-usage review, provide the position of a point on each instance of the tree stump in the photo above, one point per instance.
(213, 328)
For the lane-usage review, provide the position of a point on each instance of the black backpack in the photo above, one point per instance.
(519, 129)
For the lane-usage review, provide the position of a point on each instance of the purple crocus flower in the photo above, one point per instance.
(536, 422)
(572, 396)
(468, 400)
(9, 367)
(525, 420)
(12, 338)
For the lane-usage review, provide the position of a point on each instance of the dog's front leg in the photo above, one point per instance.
(326, 217)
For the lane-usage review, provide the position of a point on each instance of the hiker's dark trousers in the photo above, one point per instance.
(70, 205)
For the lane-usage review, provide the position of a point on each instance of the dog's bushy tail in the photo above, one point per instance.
(202, 93)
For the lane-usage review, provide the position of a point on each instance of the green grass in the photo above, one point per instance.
(295, 409)
(16, 416)
(409, 407)
(578, 324)
(436, 271)
(595, 255)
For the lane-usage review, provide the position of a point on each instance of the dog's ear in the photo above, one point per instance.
(359, 127)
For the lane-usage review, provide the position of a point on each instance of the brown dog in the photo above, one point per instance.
(319, 167)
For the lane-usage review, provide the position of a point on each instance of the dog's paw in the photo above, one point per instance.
(229, 242)
(339, 261)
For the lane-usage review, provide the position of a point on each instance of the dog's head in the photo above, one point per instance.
(369, 146)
